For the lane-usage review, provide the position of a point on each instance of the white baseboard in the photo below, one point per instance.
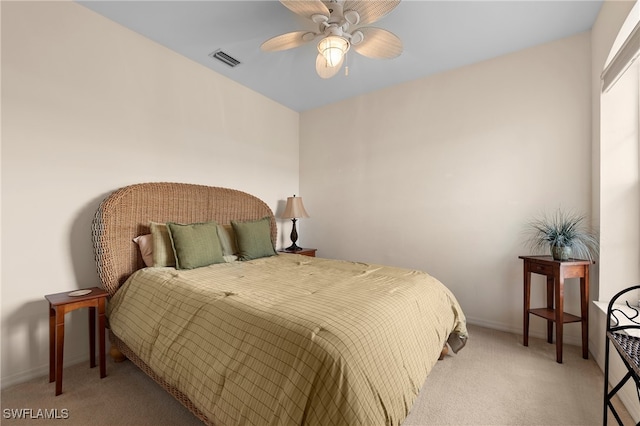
(568, 339)
(42, 370)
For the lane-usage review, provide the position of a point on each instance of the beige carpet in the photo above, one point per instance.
(493, 381)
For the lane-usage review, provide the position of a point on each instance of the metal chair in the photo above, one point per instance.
(621, 318)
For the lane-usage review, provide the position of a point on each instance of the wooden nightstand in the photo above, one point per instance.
(556, 272)
(59, 305)
(311, 252)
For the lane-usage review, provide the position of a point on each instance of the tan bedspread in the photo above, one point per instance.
(289, 339)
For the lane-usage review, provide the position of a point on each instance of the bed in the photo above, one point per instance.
(265, 338)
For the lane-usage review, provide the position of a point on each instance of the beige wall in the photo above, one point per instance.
(442, 173)
(88, 107)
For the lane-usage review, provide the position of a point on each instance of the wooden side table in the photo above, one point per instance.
(311, 252)
(59, 305)
(556, 272)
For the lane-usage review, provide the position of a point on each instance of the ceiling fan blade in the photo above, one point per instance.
(370, 10)
(378, 43)
(287, 41)
(325, 71)
(306, 8)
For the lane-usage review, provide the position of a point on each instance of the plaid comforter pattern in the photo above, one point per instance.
(289, 339)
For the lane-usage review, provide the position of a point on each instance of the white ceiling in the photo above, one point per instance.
(437, 36)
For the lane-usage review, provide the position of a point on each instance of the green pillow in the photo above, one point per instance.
(195, 244)
(254, 239)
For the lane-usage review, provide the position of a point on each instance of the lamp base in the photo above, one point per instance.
(294, 237)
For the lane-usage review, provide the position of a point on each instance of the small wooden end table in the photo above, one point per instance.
(556, 272)
(59, 304)
(311, 252)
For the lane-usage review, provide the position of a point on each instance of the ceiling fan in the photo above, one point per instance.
(340, 26)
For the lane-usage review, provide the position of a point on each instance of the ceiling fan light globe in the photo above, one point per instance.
(333, 56)
(324, 70)
(333, 48)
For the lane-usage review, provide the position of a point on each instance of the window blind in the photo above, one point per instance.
(628, 53)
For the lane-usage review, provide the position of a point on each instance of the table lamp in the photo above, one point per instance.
(294, 210)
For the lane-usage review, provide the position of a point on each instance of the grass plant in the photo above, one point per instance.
(563, 229)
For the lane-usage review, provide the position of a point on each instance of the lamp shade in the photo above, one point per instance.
(294, 208)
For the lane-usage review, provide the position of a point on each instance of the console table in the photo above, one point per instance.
(556, 272)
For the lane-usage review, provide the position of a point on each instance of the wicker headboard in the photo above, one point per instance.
(126, 213)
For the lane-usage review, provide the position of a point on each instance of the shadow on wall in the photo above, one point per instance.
(27, 321)
(81, 245)
(282, 224)
(32, 320)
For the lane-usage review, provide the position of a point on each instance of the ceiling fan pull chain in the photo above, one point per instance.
(346, 67)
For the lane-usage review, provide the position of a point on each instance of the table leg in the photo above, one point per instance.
(527, 303)
(559, 316)
(52, 344)
(101, 328)
(92, 336)
(59, 319)
(549, 306)
(584, 306)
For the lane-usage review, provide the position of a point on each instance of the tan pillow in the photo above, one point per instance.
(162, 250)
(227, 240)
(145, 244)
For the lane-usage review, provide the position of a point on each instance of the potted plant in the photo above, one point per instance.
(565, 234)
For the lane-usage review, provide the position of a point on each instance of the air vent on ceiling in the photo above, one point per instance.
(224, 57)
